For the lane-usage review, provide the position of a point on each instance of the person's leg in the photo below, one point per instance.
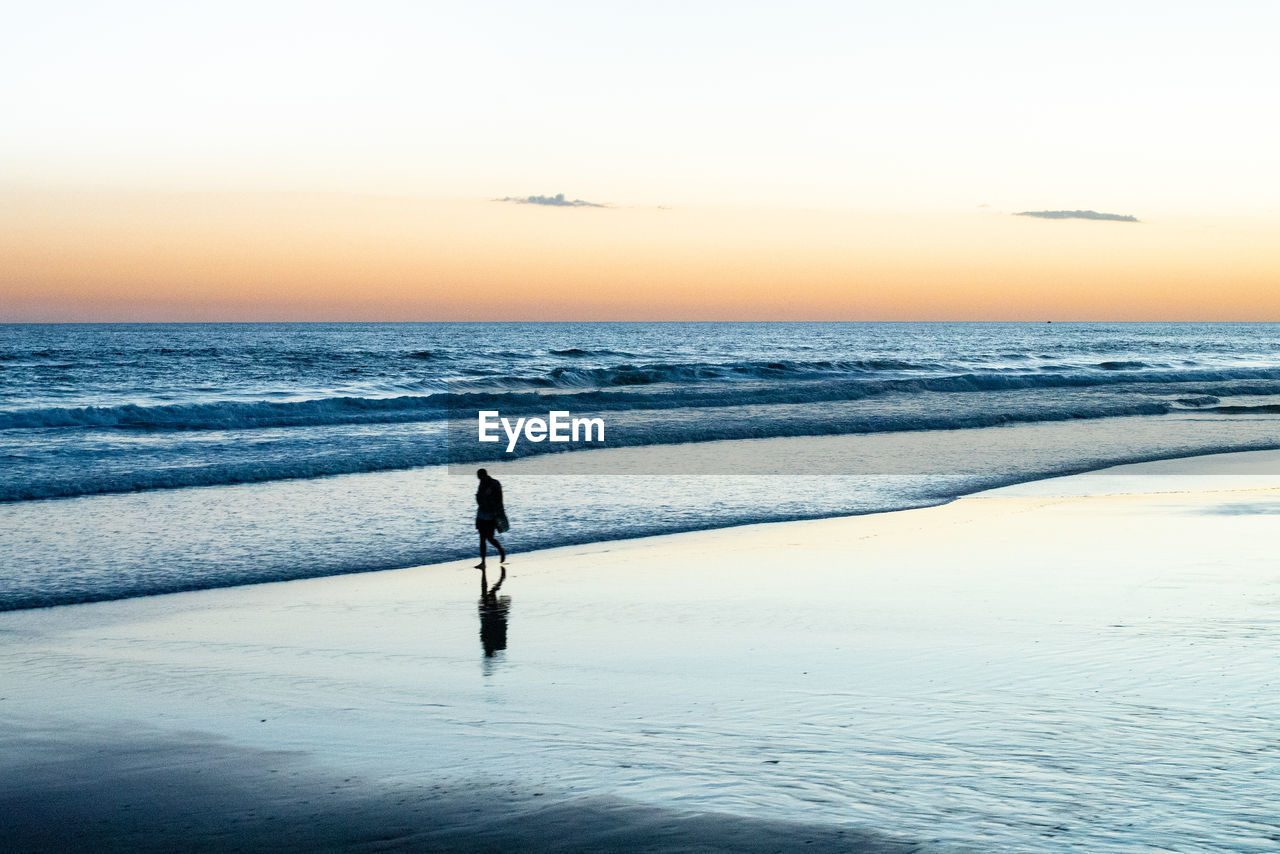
(502, 553)
(484, 552)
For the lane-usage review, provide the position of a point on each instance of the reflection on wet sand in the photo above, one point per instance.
(493, 615)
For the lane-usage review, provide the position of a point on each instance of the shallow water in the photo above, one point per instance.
(112, 546)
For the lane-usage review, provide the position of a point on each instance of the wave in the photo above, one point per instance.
(33, 354)
(89, 479)
(566, 377)
(608, 389)
(941, 377)
(928, 376)
(1263, 409)
(579, 352)
(229, 415)
(653, 374)
(334, 452)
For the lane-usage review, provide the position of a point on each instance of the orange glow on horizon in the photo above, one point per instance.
(102, 256)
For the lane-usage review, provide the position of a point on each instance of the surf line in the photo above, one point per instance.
(558, 426)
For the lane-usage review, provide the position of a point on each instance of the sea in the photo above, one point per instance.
(140, 459)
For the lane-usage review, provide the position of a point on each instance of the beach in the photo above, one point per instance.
(1077, 664)
(879, 405)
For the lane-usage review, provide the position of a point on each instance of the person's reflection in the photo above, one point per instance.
(493, 615)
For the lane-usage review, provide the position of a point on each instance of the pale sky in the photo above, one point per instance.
(910, 111)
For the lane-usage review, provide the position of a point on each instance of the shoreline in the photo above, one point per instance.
(1020, 668)
(143, 505)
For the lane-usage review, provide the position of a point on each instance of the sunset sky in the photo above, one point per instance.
(823, 160)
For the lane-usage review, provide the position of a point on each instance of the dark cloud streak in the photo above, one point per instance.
(1108, 217)
(556, 201)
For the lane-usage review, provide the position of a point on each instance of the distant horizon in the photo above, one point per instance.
(471, 322)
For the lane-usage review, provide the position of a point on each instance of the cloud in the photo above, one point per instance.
(556, 201)
(1109, 217)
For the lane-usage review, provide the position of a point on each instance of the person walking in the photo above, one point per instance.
(491, 516)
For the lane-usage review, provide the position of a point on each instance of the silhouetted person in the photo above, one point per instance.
(493, 615)
(490, 514)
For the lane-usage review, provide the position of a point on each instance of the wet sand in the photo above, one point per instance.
(1079, 664)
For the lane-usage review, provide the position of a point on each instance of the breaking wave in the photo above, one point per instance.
(623, 388)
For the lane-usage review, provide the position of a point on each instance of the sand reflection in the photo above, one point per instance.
(494, 610)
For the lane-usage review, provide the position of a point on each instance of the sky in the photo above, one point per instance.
(808, 160)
